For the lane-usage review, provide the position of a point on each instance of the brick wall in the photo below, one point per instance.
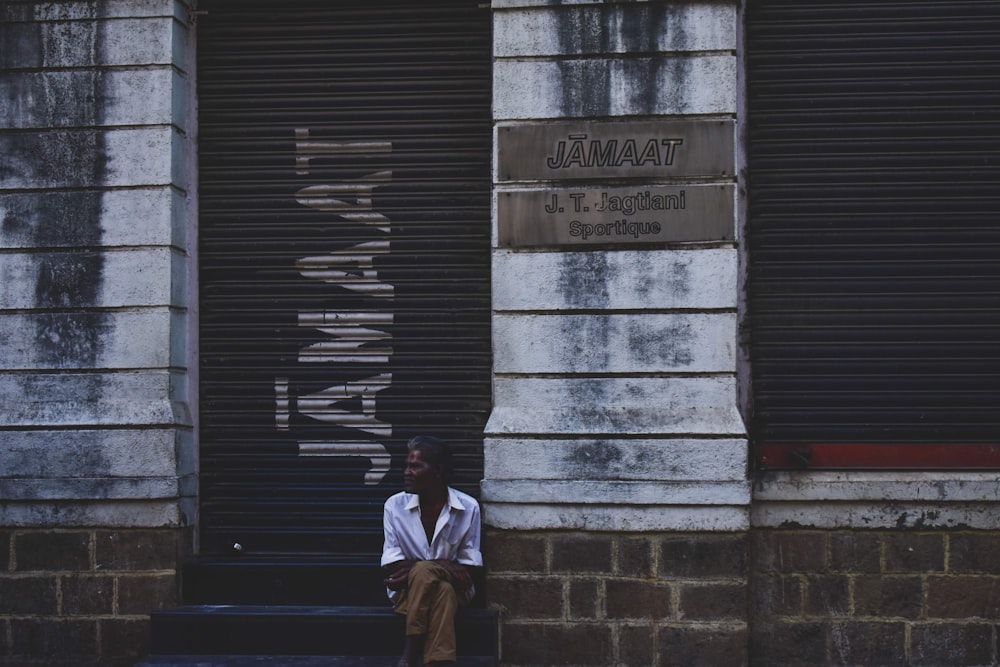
(874, 597)
(81, 597)
(619, 598)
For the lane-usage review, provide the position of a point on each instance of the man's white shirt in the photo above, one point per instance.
(456, 533)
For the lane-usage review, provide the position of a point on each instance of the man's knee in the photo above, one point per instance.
(432, 579)
(426, 571)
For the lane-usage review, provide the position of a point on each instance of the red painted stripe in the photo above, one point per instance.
(841, 456)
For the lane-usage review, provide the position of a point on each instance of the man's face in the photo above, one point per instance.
(419, 474)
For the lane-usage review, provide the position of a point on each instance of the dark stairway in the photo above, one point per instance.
(231, 619)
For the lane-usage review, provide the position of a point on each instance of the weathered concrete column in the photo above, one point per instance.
(97, 483)
(615, 369)
(615, 453)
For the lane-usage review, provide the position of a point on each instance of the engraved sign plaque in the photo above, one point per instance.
(594, 150)
(618, 215)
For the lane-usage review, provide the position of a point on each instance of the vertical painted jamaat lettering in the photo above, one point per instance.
(352, 269)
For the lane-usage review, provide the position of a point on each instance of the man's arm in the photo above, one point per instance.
(397, 574)
(395, 565)
(469, 553)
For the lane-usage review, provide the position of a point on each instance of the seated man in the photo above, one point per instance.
(431, 539)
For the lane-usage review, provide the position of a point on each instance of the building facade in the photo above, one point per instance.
(704, 294)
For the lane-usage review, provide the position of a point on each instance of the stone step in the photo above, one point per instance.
(296, 581)
(249, 581)
(256, 631)
(293, 661)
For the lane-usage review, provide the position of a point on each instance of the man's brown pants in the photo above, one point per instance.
(429, 603)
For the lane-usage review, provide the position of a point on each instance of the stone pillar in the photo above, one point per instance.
(615, 492)
(97, 481)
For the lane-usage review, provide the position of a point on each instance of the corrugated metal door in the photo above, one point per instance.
(344, 195)
(874, 232)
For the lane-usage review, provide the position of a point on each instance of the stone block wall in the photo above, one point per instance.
(83, 597)
(97, 456)
(95, 314)
(586, 598)
(615, 370)
(878, 597)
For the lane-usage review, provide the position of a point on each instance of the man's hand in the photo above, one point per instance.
(399, 575)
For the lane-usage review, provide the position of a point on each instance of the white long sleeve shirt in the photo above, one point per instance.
(456, 533)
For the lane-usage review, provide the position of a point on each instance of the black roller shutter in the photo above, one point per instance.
(344, 224)
(874, 232)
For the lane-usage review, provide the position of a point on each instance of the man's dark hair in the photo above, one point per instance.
(433, 451)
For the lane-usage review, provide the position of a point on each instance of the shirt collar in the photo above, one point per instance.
(453, 500)
(413, 500)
